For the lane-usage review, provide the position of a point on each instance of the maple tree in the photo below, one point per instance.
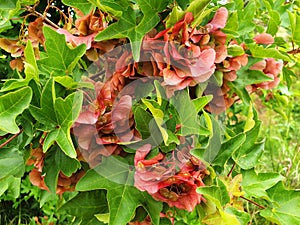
(144, 109)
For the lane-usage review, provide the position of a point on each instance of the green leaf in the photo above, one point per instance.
(142, 120)
(9, 9)
(160, 92)
(218, 193)
(245, 17)
(103, 217)
(261, 52)
(249, 153)
(10, 186)
(187, 113)
(11, 163)
(11, 105)
(176, 15)
(286, 207)
(248, 77)
(235, 50)
(221, 218)
(123, 198)
(250, 122)
(82, 5)
(87, 221)
(114, 7)
(295, 26)
(201, 102)
(248, 158)
(86, 204)
(69, 83)
(46, 113)
(243, 217)
(255, 185)
(241, 91)
(13, 84)
(228, 148)
(198, 9)
(58, 115)
(158, 116)
(31, 68)
(128, 26)
(57, 161)
(209, 152)
(61, 59)
(274, 19)
(232, 24)
(183, 3)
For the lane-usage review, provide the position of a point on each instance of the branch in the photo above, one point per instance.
(255, 203)
(10, 139)
(294, 51)
(32, 10)
(231, 170)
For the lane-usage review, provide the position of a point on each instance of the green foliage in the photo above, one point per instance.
(285, 209)
(61, 58)
(255, 185)
(83, 5)
(57, 162)
(12, 169)
(128, 25)
(57, 117)
(115, 176)
(11, 105)
(86, 204)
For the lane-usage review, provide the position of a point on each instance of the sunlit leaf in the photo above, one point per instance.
(286, 206)
(61, 58)
(11, 105)
(83, 5)
(256, 184)
(218, 193)
(129, 27)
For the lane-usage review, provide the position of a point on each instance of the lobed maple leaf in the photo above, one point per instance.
(123, 198)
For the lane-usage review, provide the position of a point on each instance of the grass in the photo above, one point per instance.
(282, 148)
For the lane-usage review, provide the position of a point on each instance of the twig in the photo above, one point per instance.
(10, 139)
(294, 51)
(231, 170)
(32, 10)
(255, 203)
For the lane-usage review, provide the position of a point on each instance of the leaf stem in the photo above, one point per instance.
(255, 203)
(231, 170)
(10, 139)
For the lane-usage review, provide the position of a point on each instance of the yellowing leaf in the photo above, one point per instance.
(250, 122)
(31, 68)
(221, 218)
